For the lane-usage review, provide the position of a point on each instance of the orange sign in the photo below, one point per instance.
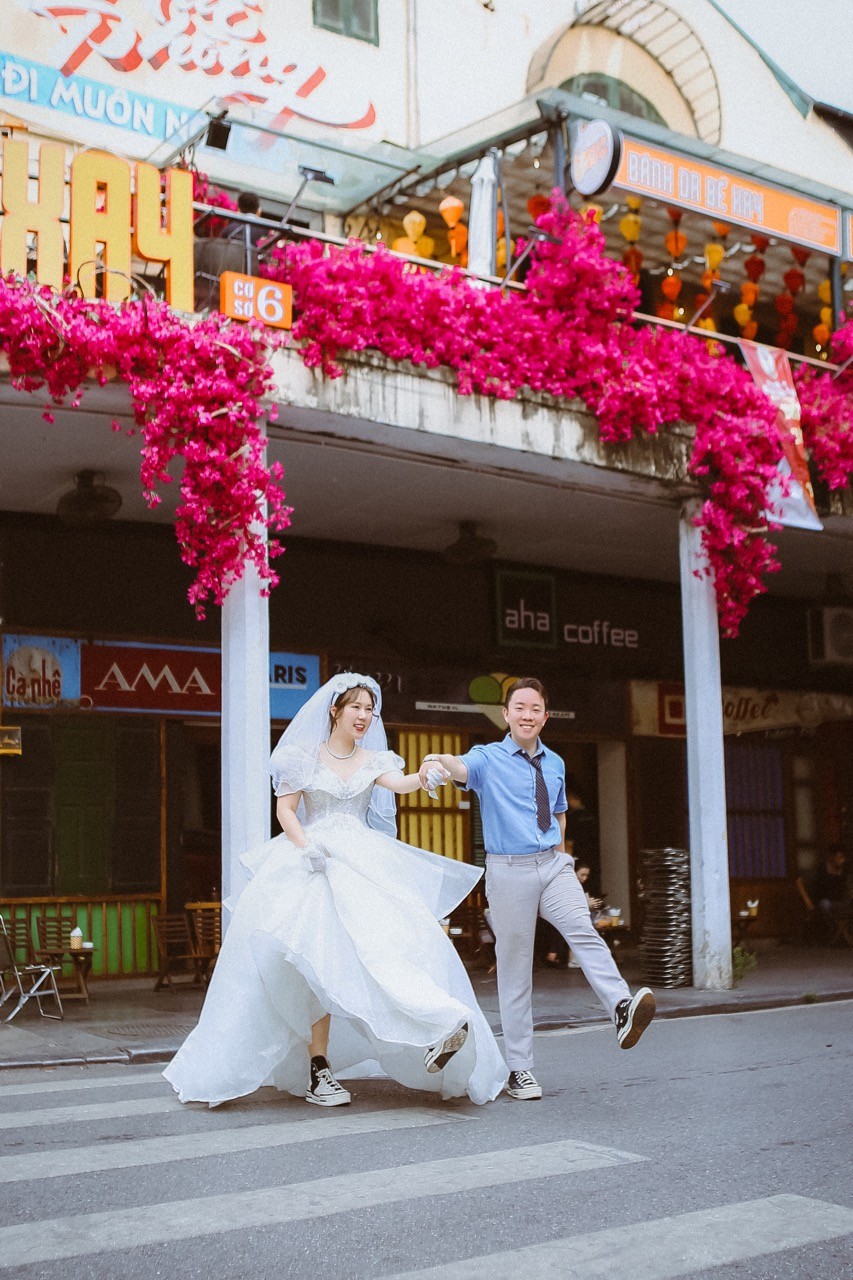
(719, 193)
(253, 298)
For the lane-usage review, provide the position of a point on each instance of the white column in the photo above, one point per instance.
(245, 727)
(706, 778)
(482, 217)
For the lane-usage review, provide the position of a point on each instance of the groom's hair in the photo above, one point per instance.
(526, 682)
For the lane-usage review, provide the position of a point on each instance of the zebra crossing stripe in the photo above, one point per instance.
(89, 1111)
(139, 1152)
(33, 1088)
(80, 1235)
(664, 1248)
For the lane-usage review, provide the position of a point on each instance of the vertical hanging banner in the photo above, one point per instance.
(791, 503)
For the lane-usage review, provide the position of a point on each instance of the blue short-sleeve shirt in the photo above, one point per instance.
(505, 783)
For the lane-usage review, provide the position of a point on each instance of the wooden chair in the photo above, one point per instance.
(176, 946)
(29, 981)
(54, 947)
(206, 924)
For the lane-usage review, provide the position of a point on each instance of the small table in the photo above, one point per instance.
(81, 961)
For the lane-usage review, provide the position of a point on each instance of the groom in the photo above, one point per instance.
(520, 784)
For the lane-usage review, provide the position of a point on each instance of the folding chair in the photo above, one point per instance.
(176, 945)
(33, 975)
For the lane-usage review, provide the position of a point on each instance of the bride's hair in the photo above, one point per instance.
(348, 695)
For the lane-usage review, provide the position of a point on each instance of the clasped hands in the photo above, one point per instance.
(432, 775)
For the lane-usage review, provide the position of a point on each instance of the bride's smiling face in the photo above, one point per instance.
(353, 713)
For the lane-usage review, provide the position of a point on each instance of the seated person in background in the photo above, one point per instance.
(830, 893)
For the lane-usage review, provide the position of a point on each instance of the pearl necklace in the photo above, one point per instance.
(335, 756)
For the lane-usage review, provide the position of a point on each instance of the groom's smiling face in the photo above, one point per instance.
(525, 714)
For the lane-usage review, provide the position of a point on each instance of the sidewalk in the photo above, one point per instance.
(127, 1021)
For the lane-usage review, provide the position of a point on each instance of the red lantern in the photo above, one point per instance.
(675, 214)
(794, 280)
(665, 311)
(800, 255)
(784, 304)
(537, 205)
(761, 243)
(754, 267)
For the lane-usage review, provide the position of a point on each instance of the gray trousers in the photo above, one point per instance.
(521, 887)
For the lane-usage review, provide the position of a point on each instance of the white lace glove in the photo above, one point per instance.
(315, 856)
(435, 777)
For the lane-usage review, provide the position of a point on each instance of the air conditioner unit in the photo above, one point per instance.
(831, 636)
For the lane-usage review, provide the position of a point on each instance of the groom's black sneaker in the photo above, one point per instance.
(633, 1016)
(325, 1090)
(524, 1085)
(437, 1058)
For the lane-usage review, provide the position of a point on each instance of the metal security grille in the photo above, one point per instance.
(756, 822)
(438, 825)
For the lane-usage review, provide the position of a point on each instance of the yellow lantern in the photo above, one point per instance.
(824, 291)
(451, 210)
(742, 314)
(425, 247)
(588, 208)
(714, 254)
(404, 244)
(500, 252)
(826, 315)
(634, 203)
(414, 225)
(630, 227)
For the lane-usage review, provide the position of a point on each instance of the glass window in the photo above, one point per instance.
(356, 18)
(611, 92)
(755, 810)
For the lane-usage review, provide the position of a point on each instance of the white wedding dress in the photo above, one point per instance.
(361, 942)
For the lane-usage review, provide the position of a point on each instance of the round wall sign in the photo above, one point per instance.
(596, 152)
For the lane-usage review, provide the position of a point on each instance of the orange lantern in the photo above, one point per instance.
(665, 311)
(670, 287)
(749, 293)
(457, 238)
(500, 222)
(821, 334)
(722, 229)
(750, 330)
(676, 243)
(451, 210)
(405, 244)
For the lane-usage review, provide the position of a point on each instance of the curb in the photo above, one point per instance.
(154, 1054)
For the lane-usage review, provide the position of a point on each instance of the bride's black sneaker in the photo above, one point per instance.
(439, 1055)
(325, 1090)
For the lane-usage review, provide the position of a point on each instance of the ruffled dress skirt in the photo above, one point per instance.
(361, 942)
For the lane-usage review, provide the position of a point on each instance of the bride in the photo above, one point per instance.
(334, 954)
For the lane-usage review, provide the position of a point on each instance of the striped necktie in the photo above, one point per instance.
(543, 803)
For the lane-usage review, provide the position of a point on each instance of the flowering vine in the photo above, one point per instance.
(571, 335)
(196, 391)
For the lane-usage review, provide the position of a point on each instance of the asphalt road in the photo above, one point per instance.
(719, 1148)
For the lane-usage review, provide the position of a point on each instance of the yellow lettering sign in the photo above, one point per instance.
(23, 217)
(172, 243)
(100, 225)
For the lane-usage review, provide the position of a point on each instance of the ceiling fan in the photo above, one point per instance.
(91, 501)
